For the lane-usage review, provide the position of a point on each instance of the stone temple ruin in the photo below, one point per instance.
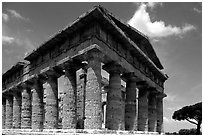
(97, 41)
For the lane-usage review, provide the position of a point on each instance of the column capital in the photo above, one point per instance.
(50, 72)
(130, 76)
(161, 95)
(93, 55)
(73, 65)
(25, 84)
(112, 67)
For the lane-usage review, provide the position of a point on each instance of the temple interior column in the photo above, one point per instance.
(17, 109)
(131, 103)
(26, 107)
(51, 106)
(115, 113)
(93, 110)
(37, 104)
(81, 90)
(9, 112)
(143, 108)
(3, 112)
(152, 114)
(69, 120)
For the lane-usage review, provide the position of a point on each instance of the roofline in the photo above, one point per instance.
(13, 68)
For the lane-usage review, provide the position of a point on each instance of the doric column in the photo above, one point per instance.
(51, 106)
(69, 120)
(9, 112)
(115, 113)
(159, 111)
(81, 89)
(152, 114)
(143, 108)
(17, 109)
(37, 104)
(3, 112)
(131, 102)
(26, 107)
(93, 110)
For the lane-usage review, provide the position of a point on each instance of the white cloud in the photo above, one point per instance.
(17, 15)
(166, 120)
(7, 40)
(5, 17)
(154, 4)
(197, 10)
(141, 21)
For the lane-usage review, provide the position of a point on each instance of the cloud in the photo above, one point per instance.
(166, 120)
(153, 4)
(157, 29)
(171, 97)
(7, 40)
(5, 17)
(17, 15)
(197, 10)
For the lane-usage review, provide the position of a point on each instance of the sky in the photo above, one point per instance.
(174, 30)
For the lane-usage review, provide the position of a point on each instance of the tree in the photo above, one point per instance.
(192, 114)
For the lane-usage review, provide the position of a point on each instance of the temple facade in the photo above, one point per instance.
(97, 41)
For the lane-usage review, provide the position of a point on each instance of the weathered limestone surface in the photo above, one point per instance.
(93, 110)
(159, 110)
(152, 114)
(9, 112)
(17, 110)
(69, 101)
(3, 112)
(81, 87)
(37, 105)
(143, 110)
(131, 104)
(26, 108)
(115, 118)
(51, 107)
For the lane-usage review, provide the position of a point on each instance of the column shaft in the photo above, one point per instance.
(152, 115)
(93, 108)
(143, 110)
(159, 115)
(37, 105)
(69, 100)
(3, 112)
(81, 87)
(9, 112)
(131, 106)
(115, 113)
(51, 112)
(17, 110)
(26, 109)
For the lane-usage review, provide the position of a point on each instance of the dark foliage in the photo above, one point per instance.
(190, 113)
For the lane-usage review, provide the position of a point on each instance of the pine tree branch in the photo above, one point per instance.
(191, 121)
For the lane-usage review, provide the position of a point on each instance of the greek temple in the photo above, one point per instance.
(96, 42)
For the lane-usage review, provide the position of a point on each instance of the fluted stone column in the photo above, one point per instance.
(51, 107)
(152, 114)
(69, 120)
(3, 112)
(159, 111)
(81, 90)
(115, 113)
(93, 110)
(131, 103)
(9, 112)
(26, 108)
(17, 110)
(143, 109)
(37, 104)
